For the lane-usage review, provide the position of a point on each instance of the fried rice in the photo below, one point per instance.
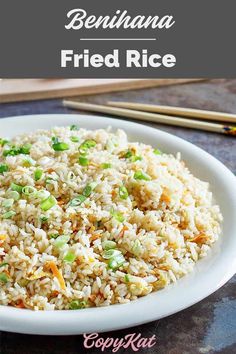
(88, 218)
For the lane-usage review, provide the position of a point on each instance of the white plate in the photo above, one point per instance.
(209, 275)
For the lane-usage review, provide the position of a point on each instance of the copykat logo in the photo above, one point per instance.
(134, 341)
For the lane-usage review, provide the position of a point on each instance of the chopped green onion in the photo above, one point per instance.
(53, 235)
(11, 152)
(136, 249)
(38, 174)
(25, 149)
(7, 203)
(127, 278)
(135, 158)
(49, 180)
(78, 200)
(48, 203)
(13, 195)
(111, 253)
(88, 189)
(3, 264)
(29, 190)
(140, 175)
(14, 150)
(83, 161)
(61, 241)
(60, 146)
(74, 127)
(43, 218)
(4, 168)
(70, 257)
(28, 161)
(107, 245)
(42, 194)
(3, 142)
(9, 214)
(116, 262)
(16, 187)
(87, 144)
(4, 278)
(123, 193)
(106, 165)
(74, 139)
(128, 154)
(77, 305)
(157, 152)
(23, 282)
(117, 215)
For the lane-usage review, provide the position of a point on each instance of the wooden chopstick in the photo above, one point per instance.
(152, 117)
(177, 111)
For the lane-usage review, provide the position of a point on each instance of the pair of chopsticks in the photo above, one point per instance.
(176, 116)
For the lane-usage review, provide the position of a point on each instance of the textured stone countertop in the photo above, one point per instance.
(210, 325)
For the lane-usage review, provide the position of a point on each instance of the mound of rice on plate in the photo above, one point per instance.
(90, 219)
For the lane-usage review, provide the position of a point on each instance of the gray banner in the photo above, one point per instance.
(33, 34)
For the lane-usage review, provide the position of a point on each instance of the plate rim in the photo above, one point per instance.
(34, 322)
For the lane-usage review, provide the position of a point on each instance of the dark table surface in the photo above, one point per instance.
(210, 325)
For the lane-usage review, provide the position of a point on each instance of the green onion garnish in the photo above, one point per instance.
(83, 161)
(136, 249)
(8, 214)
(116, 262)
(88, 189)
(13, 195)
(4, 168)
(43, 218)
(107, 245)
(28, 161)
(127, 278)
(157, 152)
(74, 127)
(7, 203)
(78, 200)
(29, 190)
(38, 174)
(25, 149)
(3, 264)
(53, 235)
(4, 278)
(14, 150)
(60, 146)
(140, 175)
(61, 241)
(74, 139)
(42, 194)
(16, 187)
(48, 203)
(77, 305)
(87, 144)
(3, 142)
(135, 158)
(128, 154)
(111, 253)
(117, 215)
(123, 193)
(106, 165)
(70, 257)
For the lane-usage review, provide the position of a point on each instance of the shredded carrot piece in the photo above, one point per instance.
(121, 234)
(20, 305)
(60, 201)
(57, 274)
(3, 237)
(94, 236)
(199, 238)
